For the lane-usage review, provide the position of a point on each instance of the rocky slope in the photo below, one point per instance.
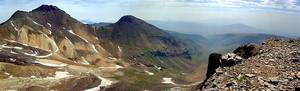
(47, 49)
(273, 65)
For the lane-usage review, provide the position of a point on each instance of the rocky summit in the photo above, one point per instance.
(273, 65)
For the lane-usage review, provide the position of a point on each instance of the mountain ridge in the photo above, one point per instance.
(56, 43)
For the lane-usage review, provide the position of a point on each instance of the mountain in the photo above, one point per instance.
(48, 49)
(272, 65)
(149, 42)
(49, 28)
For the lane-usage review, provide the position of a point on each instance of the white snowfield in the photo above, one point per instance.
(116, 67)
(62, 74)
(71, 31)
(36, 23)
(112, 58)
(168, 81)
(50, 64)
(149, 73)
(49, 24)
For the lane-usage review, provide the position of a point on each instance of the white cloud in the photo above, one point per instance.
(287, 5)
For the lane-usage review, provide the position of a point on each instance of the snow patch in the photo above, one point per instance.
(112, 58)
(56, 47)
(50, 64)
(35, 54)
(85, 61)
(12, 60)
(12, 24)
(32, 76)
(49, 24)
(15, 47)
(157, 67)
(50, 32)
(29, 54)
(6, 73)
(19, 48)
(12, 52)
(94, 48)
(36, 23)
(71, 31)
(104, 83)
(168, 81)
(44, 56)
(62, 74)
(149, 73)
(116, 67)
(11, 76)
(119, 67)
(119, 48)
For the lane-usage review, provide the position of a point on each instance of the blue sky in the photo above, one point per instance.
(276, 16)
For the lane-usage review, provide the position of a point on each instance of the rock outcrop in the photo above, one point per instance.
(247, 51)
(274, 65)
(213, 64)
(230, 59)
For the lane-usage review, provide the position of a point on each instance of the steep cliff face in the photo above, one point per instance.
(274, 65)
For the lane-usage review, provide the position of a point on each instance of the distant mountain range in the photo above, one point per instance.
(205, 28)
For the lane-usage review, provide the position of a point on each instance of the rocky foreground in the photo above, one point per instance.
(273, 65)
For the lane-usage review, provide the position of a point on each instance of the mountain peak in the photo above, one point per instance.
(130, 19)
(47, 8)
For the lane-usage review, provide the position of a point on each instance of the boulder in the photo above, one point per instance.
(230, 59)
(298, 75)
(247, 51)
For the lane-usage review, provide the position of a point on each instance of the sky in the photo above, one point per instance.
(274, 16)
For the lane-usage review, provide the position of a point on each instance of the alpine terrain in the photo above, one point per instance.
(47, 49)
